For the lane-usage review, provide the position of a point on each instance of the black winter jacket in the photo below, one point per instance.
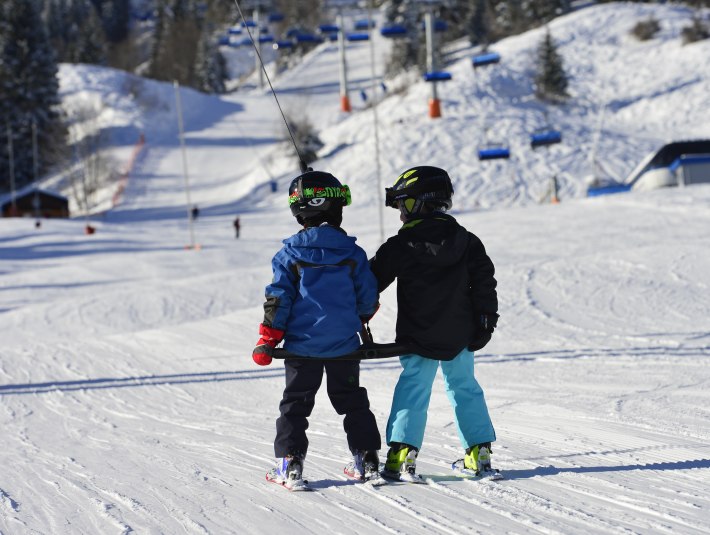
(445, 280)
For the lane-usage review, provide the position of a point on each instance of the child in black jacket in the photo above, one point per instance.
(447, 308)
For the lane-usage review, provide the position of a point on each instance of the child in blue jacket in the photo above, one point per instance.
(321, 293)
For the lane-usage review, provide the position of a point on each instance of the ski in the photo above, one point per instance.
(294, 485)
(490, 475)
(375, 480)
(405, 477)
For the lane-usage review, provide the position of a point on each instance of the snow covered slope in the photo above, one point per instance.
(128, 398)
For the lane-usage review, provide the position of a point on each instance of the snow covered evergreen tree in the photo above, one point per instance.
(28, 91)
(116, 17)
(176, 36)
(89, 39)
(210, 67)
(551, 79)
(76, 32)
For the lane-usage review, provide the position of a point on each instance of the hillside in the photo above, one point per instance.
(128, 397)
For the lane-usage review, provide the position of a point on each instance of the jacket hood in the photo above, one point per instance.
(436, 239)
(325, 244)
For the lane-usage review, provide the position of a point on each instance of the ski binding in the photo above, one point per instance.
(490, 475)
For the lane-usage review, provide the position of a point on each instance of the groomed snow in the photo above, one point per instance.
(128, 398)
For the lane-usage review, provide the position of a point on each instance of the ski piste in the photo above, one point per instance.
(364, 352)
(491, 475)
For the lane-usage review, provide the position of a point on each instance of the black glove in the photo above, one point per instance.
(484, 326)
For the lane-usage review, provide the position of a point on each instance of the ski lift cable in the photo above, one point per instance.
(302, 163)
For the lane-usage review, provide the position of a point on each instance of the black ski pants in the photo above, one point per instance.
(303, 378)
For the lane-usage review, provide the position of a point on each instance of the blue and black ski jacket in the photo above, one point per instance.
(322, 287)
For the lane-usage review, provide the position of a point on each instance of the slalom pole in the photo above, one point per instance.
(181, 131)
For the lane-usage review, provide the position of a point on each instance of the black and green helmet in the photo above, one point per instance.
(419, 186)
(315, 192)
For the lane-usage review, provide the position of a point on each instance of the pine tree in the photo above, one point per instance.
(551, 79)
(480, 31)
(174, 48)
(29, 91)
(58, 27)
(89, 39)
(116, 17)
(211, 67)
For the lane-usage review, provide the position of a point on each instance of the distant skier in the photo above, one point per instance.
(194, 213)
(446, 308)
(237, 226)
(322, 292)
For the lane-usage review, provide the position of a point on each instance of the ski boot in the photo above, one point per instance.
(401, 463)
(365, 466)
(477, 462)
(289, 472)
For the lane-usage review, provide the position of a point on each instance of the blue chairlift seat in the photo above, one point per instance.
(308, 38)
(223, 40)
(393, 30)
(276, 17)
(487, 58)
(328, 28)
(283, 44)
(437, 76)
(357, 36)
(439, 26)
(235, 30)
(364, 24)
(545, 138)
(494, 153)
(248, 24)
(266, 38)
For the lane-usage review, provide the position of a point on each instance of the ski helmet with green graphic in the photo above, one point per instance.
(315, 194)
(418, 187)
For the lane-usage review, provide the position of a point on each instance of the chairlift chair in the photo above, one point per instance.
(328, 28)
(545, 137)
(355, 36)
(485, 58)
(276, 17)
(364, 24)
(393, 30)
(437, 76)
(283, 44)
(308, 38)
(494, 151)
(439, 26)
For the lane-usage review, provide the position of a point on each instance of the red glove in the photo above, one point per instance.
(270, 338)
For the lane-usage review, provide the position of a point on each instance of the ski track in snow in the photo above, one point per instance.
(128, 399)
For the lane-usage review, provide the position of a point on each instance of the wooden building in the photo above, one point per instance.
(35, 203)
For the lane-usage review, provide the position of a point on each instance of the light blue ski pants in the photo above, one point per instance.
(410, 402)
